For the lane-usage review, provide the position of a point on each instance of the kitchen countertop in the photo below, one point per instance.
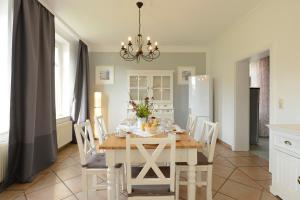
(287, 128)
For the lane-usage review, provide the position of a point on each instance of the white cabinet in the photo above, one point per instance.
(153, 83)
(285, 161)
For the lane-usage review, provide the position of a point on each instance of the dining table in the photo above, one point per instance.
(115, 150)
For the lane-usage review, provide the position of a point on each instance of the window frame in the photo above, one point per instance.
(59, 65)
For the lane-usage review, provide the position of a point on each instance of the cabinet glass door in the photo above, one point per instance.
(138, 87)
(166, 82)
(157, 88)
(166, 94)
(133, 87)
(162, 88)
(166, 88)
(143, 87)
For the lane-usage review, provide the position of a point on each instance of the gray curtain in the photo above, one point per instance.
(80, 111)
(32, 136)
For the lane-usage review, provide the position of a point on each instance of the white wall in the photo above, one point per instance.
(273, 25)
(115, 97)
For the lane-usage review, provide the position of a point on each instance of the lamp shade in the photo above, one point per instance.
(97, 99)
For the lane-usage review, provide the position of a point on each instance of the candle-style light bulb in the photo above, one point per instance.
(129, 39)
(122, 44)
(150, 48)
(156, 43)
(148, 38)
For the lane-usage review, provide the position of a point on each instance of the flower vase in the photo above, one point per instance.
(140, 122)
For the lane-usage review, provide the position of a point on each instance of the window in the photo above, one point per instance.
(62, 59)
(58, 79)
(5, 65)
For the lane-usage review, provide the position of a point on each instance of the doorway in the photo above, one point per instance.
(252, 98)
(259, 72)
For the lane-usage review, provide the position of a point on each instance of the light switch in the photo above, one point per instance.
(281, 103)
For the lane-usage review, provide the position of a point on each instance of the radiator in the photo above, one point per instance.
(64, 133)
(3, 160)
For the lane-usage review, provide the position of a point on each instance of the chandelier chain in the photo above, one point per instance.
(146, 51)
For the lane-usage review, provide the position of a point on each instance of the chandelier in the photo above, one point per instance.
(143, 49)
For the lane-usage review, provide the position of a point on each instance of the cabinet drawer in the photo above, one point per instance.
(287, 143)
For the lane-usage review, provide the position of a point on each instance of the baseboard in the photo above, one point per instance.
(224, 144)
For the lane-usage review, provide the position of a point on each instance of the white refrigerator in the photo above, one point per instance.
(201, 100)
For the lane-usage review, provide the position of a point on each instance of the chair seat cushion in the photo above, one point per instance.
(151, 190)
(201, 160)
(98, 161)
(150, 174)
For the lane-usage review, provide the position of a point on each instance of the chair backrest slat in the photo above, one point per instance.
(209, 135)
(101, 128)
(85, 140)
(190, 124)
(151, 162)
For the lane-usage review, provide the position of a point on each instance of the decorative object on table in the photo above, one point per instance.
(183, 74)
(143, 110)
(143, 49)
(104, 75)
(166, 125)
(151, 125)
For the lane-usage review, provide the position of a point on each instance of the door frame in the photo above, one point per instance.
(241, 143)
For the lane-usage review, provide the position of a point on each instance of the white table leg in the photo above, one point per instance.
(192, 161)
(111, 182)
(111, 176)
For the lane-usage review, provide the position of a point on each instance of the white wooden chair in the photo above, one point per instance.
(208, 139)
(102, 135)
(92, 163)
(191, 125)
(101, 128)
(149, 181)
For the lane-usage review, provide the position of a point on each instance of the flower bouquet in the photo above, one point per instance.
(143, 110)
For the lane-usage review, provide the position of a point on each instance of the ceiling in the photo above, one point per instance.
(181, 23)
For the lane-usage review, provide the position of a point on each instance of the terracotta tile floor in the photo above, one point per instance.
(236, 175)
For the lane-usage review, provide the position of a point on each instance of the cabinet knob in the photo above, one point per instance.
(299, 180)
(287, 143)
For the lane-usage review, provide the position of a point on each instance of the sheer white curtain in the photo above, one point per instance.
(5, 65)
(69, 48)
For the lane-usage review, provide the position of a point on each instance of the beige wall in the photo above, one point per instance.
(115, 97)
(273, 25)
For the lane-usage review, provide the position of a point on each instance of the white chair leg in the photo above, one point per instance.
(198, 178)
(117, 171)
(177, 180)
(209, 183)
(84, 184)
(122, 177)
(92, 182)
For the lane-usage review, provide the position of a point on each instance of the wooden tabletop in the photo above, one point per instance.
(185, 142)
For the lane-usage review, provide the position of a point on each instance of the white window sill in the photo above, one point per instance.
(62, 119)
